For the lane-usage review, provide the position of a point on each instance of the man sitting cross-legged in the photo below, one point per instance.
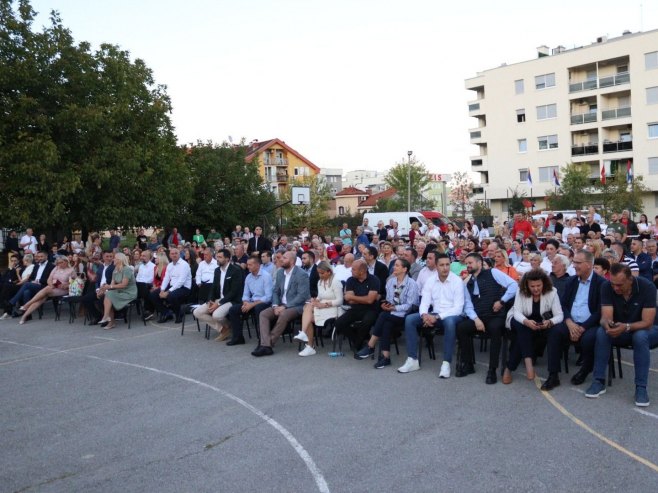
(291, 290)
(225, 293)
(256, 297)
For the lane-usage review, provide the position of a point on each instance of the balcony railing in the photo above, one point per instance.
(583, 118)
(584, 150)
(476, 135)
(473, 107)
(616, 113)
(586, 85)
(615, 80)
(618, 146)
(609, 81)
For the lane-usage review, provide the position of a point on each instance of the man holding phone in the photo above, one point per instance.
(628, 311)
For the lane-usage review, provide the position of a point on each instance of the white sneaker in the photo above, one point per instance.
(445, 370)
(301, 336)
(307, 351)
(4, 315)
(409, 365)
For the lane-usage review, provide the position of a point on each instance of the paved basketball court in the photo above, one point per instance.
(84, 409)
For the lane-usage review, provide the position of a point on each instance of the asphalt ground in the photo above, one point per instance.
(86, 409)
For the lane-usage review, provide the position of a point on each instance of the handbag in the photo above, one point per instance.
(76, 286)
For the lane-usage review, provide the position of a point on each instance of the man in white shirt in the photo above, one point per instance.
(427, 273)
(344, 271)
(28, 242)
(445, 294)
(144, 280)
(205, 273)
(175, 288)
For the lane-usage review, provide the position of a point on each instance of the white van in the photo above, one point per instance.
(404, 220)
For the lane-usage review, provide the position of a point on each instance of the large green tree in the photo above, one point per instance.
(86, 139)
(226, 189)
(575, 190)
(616, 194)
(400, 176)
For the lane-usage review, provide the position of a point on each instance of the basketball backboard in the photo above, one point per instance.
(301, 196)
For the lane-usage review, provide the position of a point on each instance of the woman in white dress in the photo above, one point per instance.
(318, 310)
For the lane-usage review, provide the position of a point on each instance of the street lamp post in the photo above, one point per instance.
(409, 153)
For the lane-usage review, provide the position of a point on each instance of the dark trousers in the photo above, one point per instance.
(360, 332)
(558, 338)
(143, 291)
(494, 328)
(383, 327)
(172, 302)
(235, 318)
(92, 304)
(524, 344)
(25, 293)
(6, 293)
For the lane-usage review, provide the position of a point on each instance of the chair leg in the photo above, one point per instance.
(621, 373)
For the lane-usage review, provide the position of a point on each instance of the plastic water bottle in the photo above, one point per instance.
(336, 354)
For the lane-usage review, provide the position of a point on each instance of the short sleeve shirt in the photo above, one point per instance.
(643, 296)
(371, 283)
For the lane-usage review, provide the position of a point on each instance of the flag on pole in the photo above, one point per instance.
(529, 178)
(629, 172)
(556, 178)
(603, 174)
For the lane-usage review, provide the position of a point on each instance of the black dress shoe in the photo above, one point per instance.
(162, 319)
(465, 369)
(236, 342)
(580, 377)
(551, 382)
(491, 376)
(179, 320)
(263, 351)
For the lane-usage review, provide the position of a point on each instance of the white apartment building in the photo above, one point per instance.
(366, 179)
(596, 105)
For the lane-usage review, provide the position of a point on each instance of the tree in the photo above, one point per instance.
(86, 139)
(617, 195)
(575, 188)
(400, 176)
(515, 203)
(313, 216)
(390, 204)
(461, 192)
(226, 189)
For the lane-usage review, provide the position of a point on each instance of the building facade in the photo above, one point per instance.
(279, 164)
(334, 178)
(373, 181)
(595, 105)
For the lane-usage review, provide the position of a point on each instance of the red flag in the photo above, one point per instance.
(603, 174)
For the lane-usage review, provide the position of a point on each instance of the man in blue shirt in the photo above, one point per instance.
(642, 259)
(628, 311)
(581, 304)
(257, 296)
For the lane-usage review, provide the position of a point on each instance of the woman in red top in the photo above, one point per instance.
(161, 262)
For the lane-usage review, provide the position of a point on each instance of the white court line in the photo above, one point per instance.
(105, 338)
(580, 391)
(320, 482)
(646, 413)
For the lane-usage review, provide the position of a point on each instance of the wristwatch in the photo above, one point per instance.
(628, 327)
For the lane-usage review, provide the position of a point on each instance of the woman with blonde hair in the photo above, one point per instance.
(501, 262)
(161, 262)
(58, 285)
(318, 310)
(120, 292)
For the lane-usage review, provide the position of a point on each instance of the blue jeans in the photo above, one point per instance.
(641, 340)
(26, 293)
(449, 325)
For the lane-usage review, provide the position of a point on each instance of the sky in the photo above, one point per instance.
(351, 84)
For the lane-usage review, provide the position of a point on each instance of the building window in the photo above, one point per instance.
(523, 175)
(341, 211)
(651, 60)
(544, 81)
(301, 171)
(653, 130)
(520, 115)
(519, 86)
(547, 111)
(546, 173)
(652, 95)
(523, 145)
(547, 142)
(653, 165)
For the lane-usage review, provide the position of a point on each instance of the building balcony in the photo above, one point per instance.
(584, 149)
(476, 135)
(618, 146)
(475, 108)
(581, 118)
(608, 81)
(616, 113)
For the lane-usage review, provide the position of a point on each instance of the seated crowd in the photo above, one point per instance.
(532, 286)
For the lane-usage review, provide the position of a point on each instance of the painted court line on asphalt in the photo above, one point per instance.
(319, 479)
(598, 435)
(646, 413)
